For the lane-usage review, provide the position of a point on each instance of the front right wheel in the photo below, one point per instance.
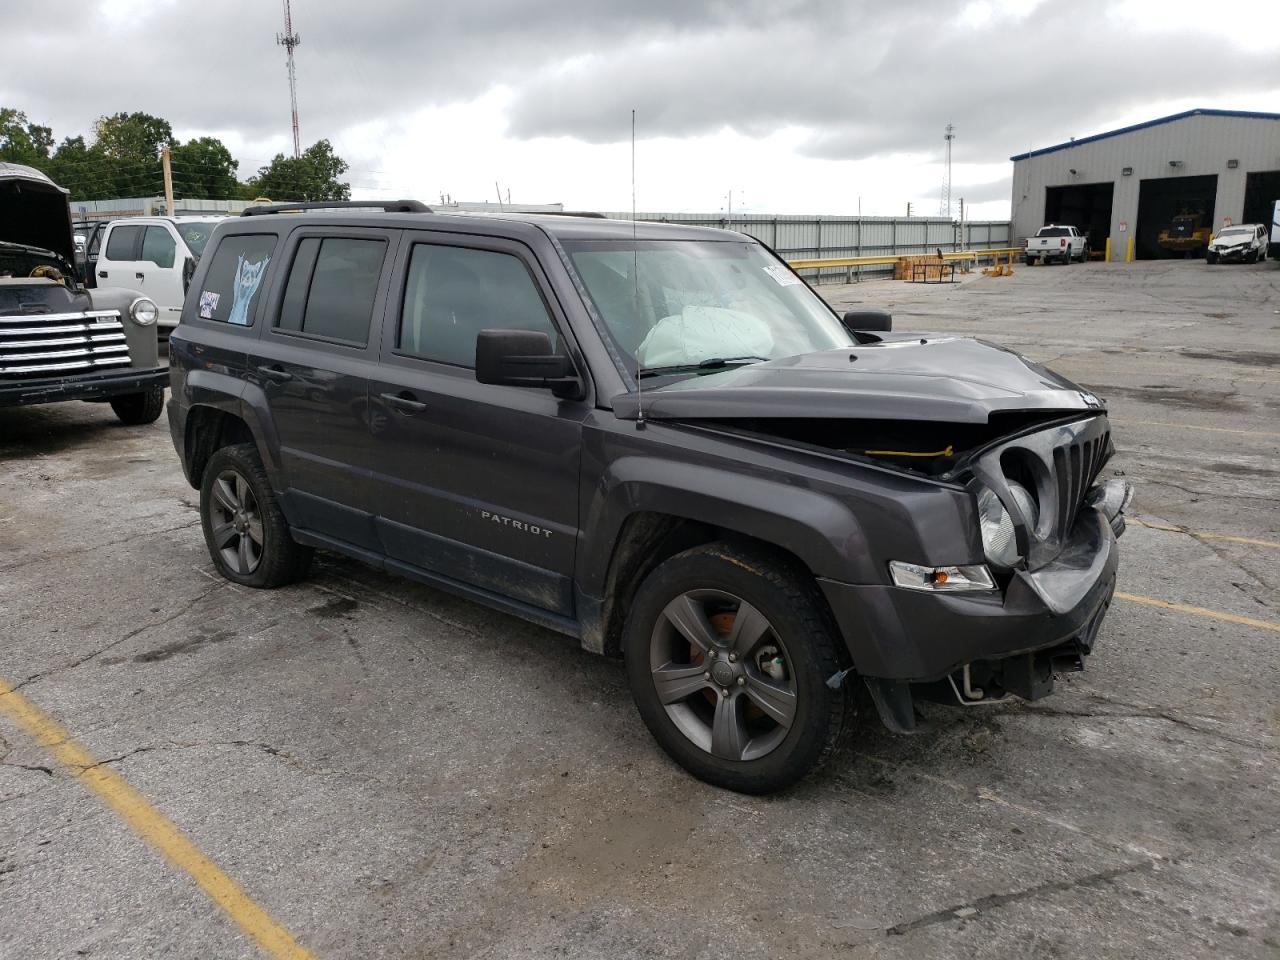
(729, 652)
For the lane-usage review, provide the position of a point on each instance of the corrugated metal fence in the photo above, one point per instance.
(814, 237)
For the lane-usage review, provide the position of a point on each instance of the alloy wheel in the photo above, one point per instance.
(723, 675)
(236, 523)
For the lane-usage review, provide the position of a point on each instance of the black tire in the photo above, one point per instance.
(1031, 261)
(137, 409)
(1210, 257)
(273, 561)
(800, 630)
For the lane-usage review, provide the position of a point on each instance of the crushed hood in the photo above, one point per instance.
(920, 377)
(34, 211)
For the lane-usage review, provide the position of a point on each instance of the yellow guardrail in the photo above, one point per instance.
(850, 262)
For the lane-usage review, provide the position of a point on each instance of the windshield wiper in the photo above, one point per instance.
(711, 363)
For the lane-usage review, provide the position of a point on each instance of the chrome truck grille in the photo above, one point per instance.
(57, 344)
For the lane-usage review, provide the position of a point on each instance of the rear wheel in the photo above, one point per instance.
(247, 535)
(729, 651)
(137, 409)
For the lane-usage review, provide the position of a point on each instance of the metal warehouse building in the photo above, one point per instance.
(1207, 168)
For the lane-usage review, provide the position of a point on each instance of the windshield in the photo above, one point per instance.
(684, 303)
(195, 233)
(1235, 232)
(1054, 232)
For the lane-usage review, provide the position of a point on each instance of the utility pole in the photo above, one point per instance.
(944, 208)
(290, 40)
(168, 180)
(908, 208)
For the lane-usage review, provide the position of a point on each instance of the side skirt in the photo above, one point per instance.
(495, 601)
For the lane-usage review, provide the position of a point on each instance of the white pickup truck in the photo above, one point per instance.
(1056, 242)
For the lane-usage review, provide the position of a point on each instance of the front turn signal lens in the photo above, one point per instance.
(964, 579)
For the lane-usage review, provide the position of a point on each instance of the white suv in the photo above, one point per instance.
(150, 254)
(1244, 243)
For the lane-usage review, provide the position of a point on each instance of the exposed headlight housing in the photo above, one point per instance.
(996, 526)
(959, 579)
(144, 312)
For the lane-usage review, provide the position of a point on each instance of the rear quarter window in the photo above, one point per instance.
(233, 287)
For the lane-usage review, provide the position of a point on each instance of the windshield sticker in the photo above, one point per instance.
(208, 304)
(248, 277)
(781, 275)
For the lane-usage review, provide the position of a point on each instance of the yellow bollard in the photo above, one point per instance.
(1107, 257)
(1128, 250)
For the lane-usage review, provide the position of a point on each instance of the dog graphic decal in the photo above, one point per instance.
(248, 278)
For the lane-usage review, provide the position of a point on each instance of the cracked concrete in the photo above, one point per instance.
(393, 772)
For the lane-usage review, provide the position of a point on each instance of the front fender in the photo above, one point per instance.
(819, 529)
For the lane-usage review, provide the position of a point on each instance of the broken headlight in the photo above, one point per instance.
(996, 526)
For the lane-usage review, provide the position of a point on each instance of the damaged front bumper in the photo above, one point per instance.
(981, 646)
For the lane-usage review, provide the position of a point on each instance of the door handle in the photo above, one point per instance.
(141, 276)
(278, 374)
(404, 401)
(102, 274)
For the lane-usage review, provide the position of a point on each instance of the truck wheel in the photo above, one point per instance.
(728, 656)
(247, 535)
(137, 409)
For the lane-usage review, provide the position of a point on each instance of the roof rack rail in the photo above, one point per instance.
(572, 213)
(387, 206)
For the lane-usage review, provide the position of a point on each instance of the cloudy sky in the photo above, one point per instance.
(797, 106)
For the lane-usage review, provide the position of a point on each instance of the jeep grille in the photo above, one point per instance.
(52, 344)
(1057, 466)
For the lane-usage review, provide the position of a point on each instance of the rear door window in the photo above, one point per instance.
(122, 244)
(331, 288)
(230, 291)
(158, 247)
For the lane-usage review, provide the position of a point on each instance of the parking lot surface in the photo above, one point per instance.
(381, 770)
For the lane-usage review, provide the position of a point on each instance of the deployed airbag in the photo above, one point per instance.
(699, 333)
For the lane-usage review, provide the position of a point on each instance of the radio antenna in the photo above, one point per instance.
(635, 271)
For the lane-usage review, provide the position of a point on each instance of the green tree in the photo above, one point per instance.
(312, 176)
(22, 141)
(132, 137)
(132, 142)
(84, 170)
(204, 168)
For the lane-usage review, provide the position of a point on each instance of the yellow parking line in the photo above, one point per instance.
(150, 824)
(1200, 611)
(1192, 426)
(1201, 535)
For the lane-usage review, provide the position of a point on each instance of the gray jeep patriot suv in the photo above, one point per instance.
(660, 441)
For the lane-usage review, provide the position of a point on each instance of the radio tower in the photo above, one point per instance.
(289, 40)
(944, 209)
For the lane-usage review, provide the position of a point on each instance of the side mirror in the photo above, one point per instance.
(868, 321)
(188, 271)
(524, 358)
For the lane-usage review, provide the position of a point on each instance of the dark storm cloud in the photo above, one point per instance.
(864, 78)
